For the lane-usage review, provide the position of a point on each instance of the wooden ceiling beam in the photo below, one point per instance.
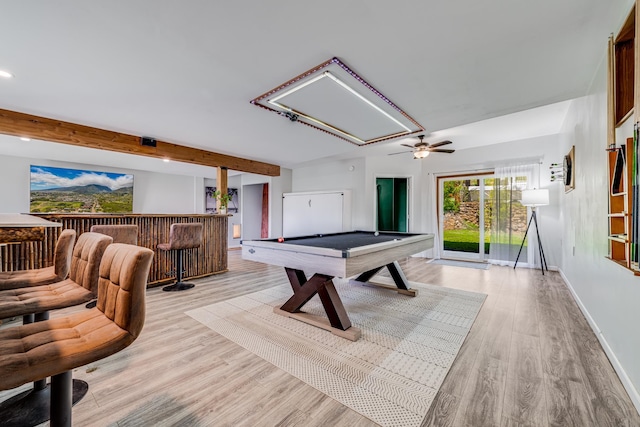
(26, 125)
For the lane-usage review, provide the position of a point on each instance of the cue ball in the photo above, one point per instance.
(376, 233)
(280, 239)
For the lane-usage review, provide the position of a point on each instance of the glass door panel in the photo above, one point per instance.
(464, 230)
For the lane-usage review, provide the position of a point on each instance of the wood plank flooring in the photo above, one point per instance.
(530, 359)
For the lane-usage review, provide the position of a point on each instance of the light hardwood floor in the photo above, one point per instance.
(530, 360)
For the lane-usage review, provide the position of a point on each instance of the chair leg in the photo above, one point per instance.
(179, 285)
(61, 399)
(33, 407)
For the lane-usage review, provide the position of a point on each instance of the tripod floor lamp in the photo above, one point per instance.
(533, 199)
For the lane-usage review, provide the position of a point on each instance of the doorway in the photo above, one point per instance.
(464, 225)
(392, 204)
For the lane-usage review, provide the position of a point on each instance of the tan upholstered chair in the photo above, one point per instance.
(121, 233)
(43, 276)
(80, 287)
(181, 237)
(55, 347)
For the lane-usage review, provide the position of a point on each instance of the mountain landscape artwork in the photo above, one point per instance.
(61, 190)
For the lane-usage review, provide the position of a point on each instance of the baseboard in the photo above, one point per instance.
(624, 379)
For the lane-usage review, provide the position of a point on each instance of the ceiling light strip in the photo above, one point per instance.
(297, 88)
(329, 129)
(320, 122)
(343, 85)
(374, 90)
(365, 100)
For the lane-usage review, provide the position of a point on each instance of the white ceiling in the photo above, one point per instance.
(184, 72)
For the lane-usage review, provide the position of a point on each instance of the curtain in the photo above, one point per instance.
(508, 216)
(432, 210)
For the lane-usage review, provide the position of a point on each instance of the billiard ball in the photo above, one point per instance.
(280, 239)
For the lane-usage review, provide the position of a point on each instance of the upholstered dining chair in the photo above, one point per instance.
(55, 347)
(79, 287)
(182, 236)
(121, 233)
(43, 276)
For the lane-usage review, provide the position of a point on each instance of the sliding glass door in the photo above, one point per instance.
(481, 217)
(464, 224)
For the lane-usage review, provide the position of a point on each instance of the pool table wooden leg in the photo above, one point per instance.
(399, 279)
(321, 284)
(398, 276)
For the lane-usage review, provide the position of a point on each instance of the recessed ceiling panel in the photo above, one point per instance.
(334, 99)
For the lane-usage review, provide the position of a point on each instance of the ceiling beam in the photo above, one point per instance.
(25, 125)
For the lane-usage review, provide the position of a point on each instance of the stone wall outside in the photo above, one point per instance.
(467, 218)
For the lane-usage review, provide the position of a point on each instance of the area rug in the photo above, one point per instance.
(390, 375)
(456, 263)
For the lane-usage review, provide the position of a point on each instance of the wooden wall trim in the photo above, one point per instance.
(26, 125)
(611, 95)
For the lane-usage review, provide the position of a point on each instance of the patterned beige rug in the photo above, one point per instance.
(390, 375)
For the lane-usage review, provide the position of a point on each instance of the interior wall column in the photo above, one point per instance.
(221, 183)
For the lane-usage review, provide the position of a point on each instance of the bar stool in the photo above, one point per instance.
(181, 237)
(43, 276)
(53, 348)
(121, 233)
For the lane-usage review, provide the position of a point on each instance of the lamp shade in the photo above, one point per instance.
(236, 231)
(535, 197)
(420, 154)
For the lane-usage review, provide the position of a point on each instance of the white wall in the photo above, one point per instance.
(235, 181)
(338, 175)
(251, 211)
(180, 194)
(608, 294)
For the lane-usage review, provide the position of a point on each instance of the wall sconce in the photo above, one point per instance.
(236, 231)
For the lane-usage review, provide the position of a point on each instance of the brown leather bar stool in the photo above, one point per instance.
(81, 285)
(55, 347)
(33, 303)
(121, 233)
(44, 276)
(181, 237)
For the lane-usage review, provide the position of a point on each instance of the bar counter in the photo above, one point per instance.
(210, 258)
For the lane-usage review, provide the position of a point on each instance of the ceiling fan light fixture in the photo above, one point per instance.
(421, 154)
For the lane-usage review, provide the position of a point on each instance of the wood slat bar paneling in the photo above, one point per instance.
(210, 258)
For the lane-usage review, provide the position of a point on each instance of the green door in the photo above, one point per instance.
(392, 202)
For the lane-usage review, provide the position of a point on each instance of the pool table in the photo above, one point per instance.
(362, 253)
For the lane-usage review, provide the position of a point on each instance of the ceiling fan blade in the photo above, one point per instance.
(407, 145)
(401, 152)
(438, 144)
(440, 150)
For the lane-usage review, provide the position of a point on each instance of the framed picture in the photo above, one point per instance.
(61, 190)
(568, 169)
(210, 201)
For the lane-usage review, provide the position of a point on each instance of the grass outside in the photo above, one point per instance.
(467, 240)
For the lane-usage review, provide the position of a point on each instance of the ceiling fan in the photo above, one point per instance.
(422, 149)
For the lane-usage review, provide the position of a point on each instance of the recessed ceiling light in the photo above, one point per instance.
(22, 138)
(166, 160)
(5, 74)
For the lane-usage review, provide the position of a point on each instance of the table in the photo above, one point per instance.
(362, 253)
(16, 228)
